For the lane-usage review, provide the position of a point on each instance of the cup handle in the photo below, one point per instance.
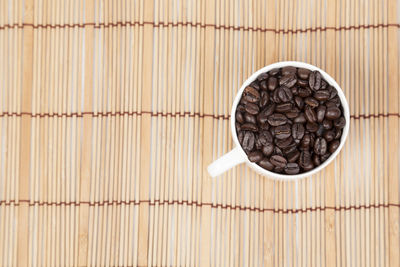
(227, 161)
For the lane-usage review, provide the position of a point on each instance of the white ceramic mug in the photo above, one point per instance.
(237, 155)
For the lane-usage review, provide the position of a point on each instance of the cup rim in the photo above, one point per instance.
(330, 80)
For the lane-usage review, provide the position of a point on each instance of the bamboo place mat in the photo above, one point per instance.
(110, 112)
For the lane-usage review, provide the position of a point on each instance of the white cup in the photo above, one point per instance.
(237, 155)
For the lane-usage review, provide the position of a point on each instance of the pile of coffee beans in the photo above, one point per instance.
(289, 120)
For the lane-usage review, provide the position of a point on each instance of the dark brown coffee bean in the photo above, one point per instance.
(252, 108)
(327, 124)
(316, 160)
(311, 101)
(273, 72)
(292, 168)
(304, 92)
(239, 117)
(298, 131)
(255, 156)
(283, 131)
(336, 100)
(237, 126)
(329, 135)
(264, 85)
(320, 130)
(311, 80)
(249, 127)
(325, 157)
(292, 114)
(295, 90)
(333, 146)
(305, 159)
(339, 123)
(275, 97)
(287, 70)
(240, 137)
(310, 114)
(293, 156)
(338, 134)
(324, 84)
(332, 113)
(264, 126)
(290, 148)
(299, 102)
(251, 95)
(312, 127)
(302, 83)
(278, 161)
(306, 141)
(322, 95)
(278, 169)
(300, 119)
(284, 107)
(265, 113)
(288, 80)
(240, 108)
(255, 85)
(303, 73)
(278, 151)
(285, 94)
(272, 83)
(264, 99)
(268, 149)
(250, 118)
(308, 167)
(284, 143)
(318, 80)
(321, 109)
(262, 76)
(267, 135)
(332, 91)
(248, 141)
(320, 146)
(266, 164)
(277, 119)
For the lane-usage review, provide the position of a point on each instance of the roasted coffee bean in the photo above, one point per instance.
(325, 157)
(332, 113)
(272, 83)
(289, 69)
(268, 149)
(288, 80)
(237, 126)
(289, 120)
(310, 114)
(239, 117)
(255, 156)
(264, 99)
(285, 94)
(304, 92)
(248, 141)
(303, 73)
(262, 76)
(278, 161)
(312, 127)
(273, 72)
(327, 124)
(305, 159)
(292, 168)
(302, 83)
(250, 118)
(300, 119)
(320, 146)
(321, 109)
(277, 119)
(293, 156)
(299, 102)
(240, 137)
(338, 134)
(283, 131)
(320, 130)
(329, 135)
(298, 131)
(316, 160)
(339, 123)
(333, 146)
(284, 143)
(311, 101)
(248, 126)
(284, 107)
(251, 95)
(322, 95)
(252, 108)
(266, 164)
